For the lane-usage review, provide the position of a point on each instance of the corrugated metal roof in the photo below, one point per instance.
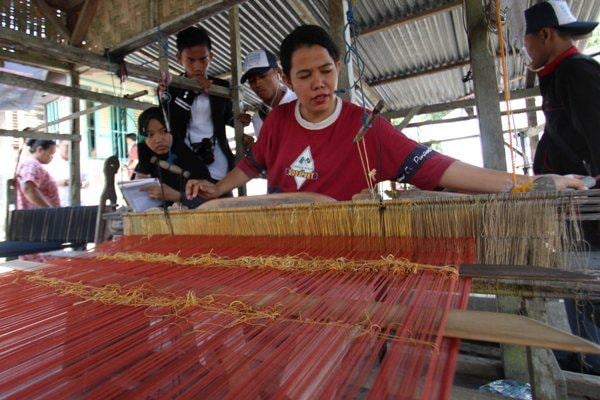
(432, 43)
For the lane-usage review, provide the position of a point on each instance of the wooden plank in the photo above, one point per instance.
(74, 153)
(37, 135)
(237, 95)
(498, 271)
(546, 378)
(405, 19)
(62, 90)
(79, 56)
(168, 28)
(340, 33)
(35, 60)
(419, 73)
(266, 200)
(513, 329)
(514, 95)
(411, 114)
(83, 22)
(468, 118)
(86, 111)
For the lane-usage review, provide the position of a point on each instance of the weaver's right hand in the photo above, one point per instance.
(202, 188)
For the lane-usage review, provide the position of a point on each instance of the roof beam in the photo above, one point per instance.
(420, 73)
(369, 30)
(83, 22)
(35, 60)
(300, 8)
(467, 118)
(514, 95)
(37, 135)
(173, 26)
(68, 91)
(75, 55)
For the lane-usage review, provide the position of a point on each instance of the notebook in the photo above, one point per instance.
(137, 199)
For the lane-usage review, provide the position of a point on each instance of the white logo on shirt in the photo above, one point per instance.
(302, 168)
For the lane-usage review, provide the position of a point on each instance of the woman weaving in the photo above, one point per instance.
(307, 145)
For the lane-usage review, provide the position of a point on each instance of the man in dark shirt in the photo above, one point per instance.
(570, 88)
(198, 119)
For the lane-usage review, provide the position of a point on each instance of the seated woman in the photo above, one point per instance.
(35, 186)
(159, 147)
(307, 145)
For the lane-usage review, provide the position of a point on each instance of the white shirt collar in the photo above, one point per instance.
(314, 126)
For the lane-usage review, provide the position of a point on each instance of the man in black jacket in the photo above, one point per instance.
(198, 119)
(570, 87)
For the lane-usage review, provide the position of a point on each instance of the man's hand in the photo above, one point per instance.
(204, 82)
(202, 188)
(244, 118)
(154, 192)
(248, 141)
(163, 83)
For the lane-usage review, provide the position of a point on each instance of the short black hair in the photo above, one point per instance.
(304, 36)
(131, 136)
(193, 36)
(35, 143)
(146, 116)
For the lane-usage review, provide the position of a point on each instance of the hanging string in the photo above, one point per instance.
(506, 80)
(165, 75)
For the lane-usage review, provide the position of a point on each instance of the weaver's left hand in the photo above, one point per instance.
(154, 192)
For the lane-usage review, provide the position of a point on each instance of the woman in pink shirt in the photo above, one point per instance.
(35, 187)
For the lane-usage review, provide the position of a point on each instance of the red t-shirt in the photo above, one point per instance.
(327, 161)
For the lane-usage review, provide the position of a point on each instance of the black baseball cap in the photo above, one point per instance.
(555, 14)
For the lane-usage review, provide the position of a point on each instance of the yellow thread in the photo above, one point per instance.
(390, 264)
(147, 296)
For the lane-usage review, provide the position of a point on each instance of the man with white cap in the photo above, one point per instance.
(263, 74)
(570, 87)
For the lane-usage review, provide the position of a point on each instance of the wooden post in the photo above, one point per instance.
(547, 380)
(341, 35)
(483, 65)
(236, 93)
(74, 153)
(514, 358)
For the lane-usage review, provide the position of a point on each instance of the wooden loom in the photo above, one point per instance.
(303, 301)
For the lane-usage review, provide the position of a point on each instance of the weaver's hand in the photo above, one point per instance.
(560, 182)
(154, 192)
(202, 188)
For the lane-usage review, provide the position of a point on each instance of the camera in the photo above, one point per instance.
(204, 150)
